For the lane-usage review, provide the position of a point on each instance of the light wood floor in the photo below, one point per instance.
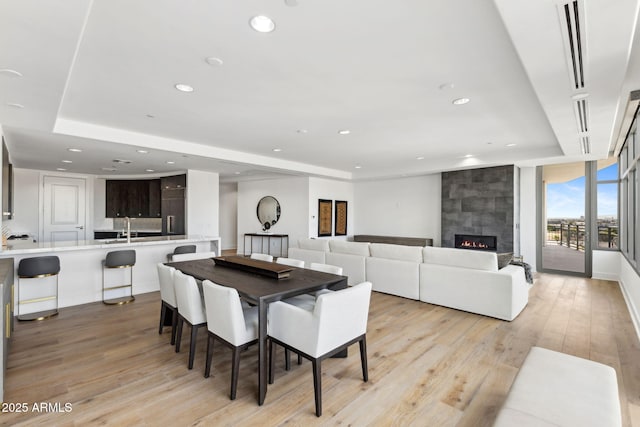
(428, 365)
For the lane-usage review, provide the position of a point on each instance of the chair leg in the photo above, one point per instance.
(317, 386)
(174, 323)
(179, 334)
(163, 312)
(192, 345)
(235, 367)
(271, 362)
(287, 359)
(363, 358)
(207, 368)
(299, 360)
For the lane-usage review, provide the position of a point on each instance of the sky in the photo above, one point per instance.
(566, 200)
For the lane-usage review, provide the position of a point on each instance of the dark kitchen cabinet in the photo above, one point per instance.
(173, 204)
(7, 184)
(132, 198)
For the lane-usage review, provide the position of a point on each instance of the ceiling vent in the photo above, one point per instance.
(585, 145)
(581, 109)
(571, 21)
(121, 161)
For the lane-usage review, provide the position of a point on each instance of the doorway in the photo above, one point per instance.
(565, 218)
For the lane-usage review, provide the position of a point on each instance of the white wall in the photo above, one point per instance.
(329, 189)
(228, 223)
(528, 215)
(407, 207)
(293, 196)
(26, 193)
(202, 203)
(606, 265)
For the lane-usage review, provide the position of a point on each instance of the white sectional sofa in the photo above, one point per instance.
(470, 281)
(457, 278)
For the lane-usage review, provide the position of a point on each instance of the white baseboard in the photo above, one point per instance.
(635, 318)
(605, 276)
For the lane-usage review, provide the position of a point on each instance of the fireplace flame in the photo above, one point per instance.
(471, 244)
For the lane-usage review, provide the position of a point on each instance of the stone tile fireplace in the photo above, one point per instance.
(481, 202)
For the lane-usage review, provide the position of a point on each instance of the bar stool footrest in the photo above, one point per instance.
(41, 315)
(119, 301)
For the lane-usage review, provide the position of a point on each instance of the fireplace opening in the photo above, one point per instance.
(479, 243)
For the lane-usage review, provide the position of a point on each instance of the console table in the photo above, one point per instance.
(266, 243)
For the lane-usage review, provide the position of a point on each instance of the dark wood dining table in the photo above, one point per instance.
(261, 290)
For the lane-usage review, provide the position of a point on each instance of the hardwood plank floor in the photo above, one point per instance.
(428, 365)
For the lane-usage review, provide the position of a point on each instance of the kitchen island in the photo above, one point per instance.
(80, 278)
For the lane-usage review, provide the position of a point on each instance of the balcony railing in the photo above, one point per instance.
(572, 235)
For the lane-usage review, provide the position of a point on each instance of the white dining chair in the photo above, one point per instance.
(292, 262)
(326, 268)
(338, 320)
(230, 323)
(192, 256)
(167, 299)
(262, 257)
(190, 310)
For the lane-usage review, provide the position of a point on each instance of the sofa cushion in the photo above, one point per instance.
(479, 260)
(399, 252)
(353, 248)
(314, 244)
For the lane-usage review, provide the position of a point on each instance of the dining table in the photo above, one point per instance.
(261, 290)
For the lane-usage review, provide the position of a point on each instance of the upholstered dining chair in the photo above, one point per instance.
(338, 320)
(230, 323)
(168, 302)
(326, 268)
(262, 257)
(184, 249)
(190, 310)
(292, 262)
(192, 256)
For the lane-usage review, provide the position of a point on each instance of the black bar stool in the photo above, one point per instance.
(38, 268)
(186, 249)
(119, 259)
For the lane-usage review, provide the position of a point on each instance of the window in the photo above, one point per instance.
(629, 238)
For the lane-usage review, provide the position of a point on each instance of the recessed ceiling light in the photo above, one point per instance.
(74, 150)
(171, 162)
(237, 173)
(61, 169)
(142, 151)
(121, 161)
(466, 156)
(149, 170)
(511, 145)
(358, 167)
(213, 61)
(150, 116)
(10, 73)
(460, 101)
(184, 88)
(344, 132)
(67, 161)
(14, 105)
(262, 24)
(277, 150)
(445, 86)
(420, 158)
(302, 131)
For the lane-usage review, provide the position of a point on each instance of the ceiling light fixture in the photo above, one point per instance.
(61, 169)
(15, 105)
(445, 86)
(302, 131)
(511, 145)
(171, 162)
(262, 24)
(277, 150)
(142, 151)
(460, 101)
(184, 87)
(213, 61)
(74, 150)
(10, 73)
(358, 167)
(150, 116)
(149, 170)
(344, 132)
(420, 158)
(466, 156)
(67, 161)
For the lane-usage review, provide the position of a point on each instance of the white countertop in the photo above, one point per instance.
(18, 247)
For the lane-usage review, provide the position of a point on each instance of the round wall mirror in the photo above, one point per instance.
(268, 212)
